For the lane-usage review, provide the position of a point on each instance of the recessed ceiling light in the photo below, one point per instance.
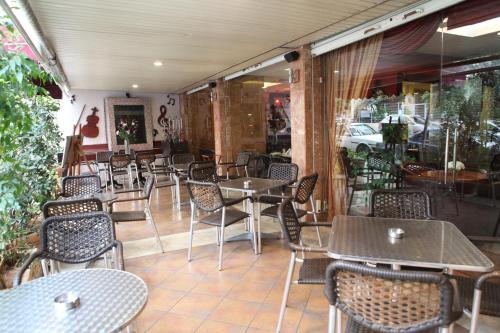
(158, 63)
(135, 86)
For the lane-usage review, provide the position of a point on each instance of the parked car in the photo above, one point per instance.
(415, 123)
(362, 138)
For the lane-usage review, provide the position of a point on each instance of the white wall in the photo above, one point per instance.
(69, 112)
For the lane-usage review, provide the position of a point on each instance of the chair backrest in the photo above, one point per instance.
(77, 238)
(80, 185)
(182, 158)
(283, 171)
(385, 300)
(243, 159)
(379, 164)
(402, 204)
(289, 222)
(495, 163)
(263, 162)
(199, 164)
(71, 207)
(145, 157)
(119, 161)
(205, 196)
(305, 188)
(131, 153)
(416, 168)
(204, 174)
(103, 156)
(148, 185)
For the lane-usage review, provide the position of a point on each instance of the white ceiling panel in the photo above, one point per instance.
(111, 44)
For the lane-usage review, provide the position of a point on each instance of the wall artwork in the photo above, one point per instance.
(90, 129)
(130, 113)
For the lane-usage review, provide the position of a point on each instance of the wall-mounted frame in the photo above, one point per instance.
(130, 109)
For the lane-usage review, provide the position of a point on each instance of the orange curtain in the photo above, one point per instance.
(347, 73)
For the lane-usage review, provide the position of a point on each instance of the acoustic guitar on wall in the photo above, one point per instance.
(90, 130)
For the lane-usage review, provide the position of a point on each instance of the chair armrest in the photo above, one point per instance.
(19, 275)
(129, 191)
(483, 278)
(233, 202)
(274, 196)
(127, 200)
(316, 224)
(296, 247)
(225, 163)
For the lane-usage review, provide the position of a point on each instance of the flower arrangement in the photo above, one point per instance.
(127, 128)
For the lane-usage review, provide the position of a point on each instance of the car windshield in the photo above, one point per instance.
(357, 130)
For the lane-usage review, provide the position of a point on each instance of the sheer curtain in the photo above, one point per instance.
(347, 74)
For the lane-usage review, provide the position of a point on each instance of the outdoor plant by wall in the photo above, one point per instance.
(29, 141)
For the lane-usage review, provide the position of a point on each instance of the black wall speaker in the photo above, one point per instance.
(212, 84)
(292, 56)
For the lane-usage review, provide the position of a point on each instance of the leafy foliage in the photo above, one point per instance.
(29, 141)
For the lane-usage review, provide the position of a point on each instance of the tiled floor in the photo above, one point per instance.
(196, 297)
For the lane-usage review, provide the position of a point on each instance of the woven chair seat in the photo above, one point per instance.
(232, 216)
(490, 299)
(313, 271)
(273, 212)
(355, 327)
(128, 216)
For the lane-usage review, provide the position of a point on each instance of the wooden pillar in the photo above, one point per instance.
(220, 137)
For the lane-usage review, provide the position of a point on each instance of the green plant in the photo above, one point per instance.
(29, 141)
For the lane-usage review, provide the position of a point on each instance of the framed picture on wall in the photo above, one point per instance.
(134, 114)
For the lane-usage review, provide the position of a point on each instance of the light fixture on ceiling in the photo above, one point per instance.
(475, 30)
(158, 63)
(270, 84)
(135, 86)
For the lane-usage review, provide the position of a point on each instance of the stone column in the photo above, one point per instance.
(220, 137)
(301, 100)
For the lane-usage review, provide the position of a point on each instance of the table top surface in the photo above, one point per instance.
(257, 185)
(429, 244)
(461, 176)
(109, 300)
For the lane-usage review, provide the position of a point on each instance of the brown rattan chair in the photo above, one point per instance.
(74, 239)
(120, 165)
(142, 159)
(71, 207)
(303, 195)
(312, 270)
(204, 174)
(280, 171)
(138, 215)
(208, 198)
(402, 204)
(184, 158)
(74, 186)
(204, 166)
(242, 161)
(387, 301)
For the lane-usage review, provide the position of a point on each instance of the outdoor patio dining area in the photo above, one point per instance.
(301, 166)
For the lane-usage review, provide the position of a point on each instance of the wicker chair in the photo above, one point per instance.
(119, 165)
(349, 173)
(312, 271)
(390, 174)
(204, 174)
(387, 301)
(303, 194)
(141, 160)
(242, 161)
(102, 164)
(280, 171)
(208, 197)
(185, 158)
(141, 215)
(402, 204)
(71, 207)
(74, 239)
(201, 164)
(487, 286)
(74, 186)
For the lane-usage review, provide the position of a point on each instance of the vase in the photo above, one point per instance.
(127, 146)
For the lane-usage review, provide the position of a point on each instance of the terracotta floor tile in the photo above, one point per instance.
(180, 281)
(250, 291)
(317, 302)
(214, 286)
(235, 312)
(174, 323)
(210, 326)
(263, 274)
(267, 318)
(258, 330)
(197, 305)
(313, 323)
(163, 299)
(147, 318)
(297, 298)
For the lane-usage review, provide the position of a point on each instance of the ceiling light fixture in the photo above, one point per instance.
(158, 63)
(135, 86)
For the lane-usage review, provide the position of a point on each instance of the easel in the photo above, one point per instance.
(73, 152)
